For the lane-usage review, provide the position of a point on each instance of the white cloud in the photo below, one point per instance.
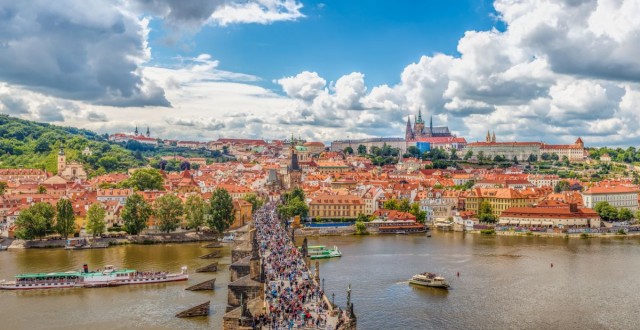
(560, 69)
(90, 51)
(257, 11)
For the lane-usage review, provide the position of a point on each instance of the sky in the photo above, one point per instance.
(530, 70)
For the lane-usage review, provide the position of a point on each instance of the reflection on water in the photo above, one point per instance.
(150, 306)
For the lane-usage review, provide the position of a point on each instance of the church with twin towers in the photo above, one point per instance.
(419, 130)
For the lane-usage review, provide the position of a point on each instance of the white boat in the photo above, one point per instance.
(228, 238)
(110, 276)
(321, 252)
(430, 280)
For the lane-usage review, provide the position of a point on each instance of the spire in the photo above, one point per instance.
(431, 124)
(148, 133)
(408, 133)
(136, 131)
(493, 138)
(419, 120)
(488, 139)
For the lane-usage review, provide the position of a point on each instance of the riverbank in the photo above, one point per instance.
(350, 230)
(159, 238)
(558, 235)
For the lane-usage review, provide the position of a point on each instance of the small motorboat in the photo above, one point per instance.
(429, 280)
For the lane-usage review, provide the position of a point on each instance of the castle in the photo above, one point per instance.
(420, 131)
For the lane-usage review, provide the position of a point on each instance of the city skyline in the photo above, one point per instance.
(550, 71)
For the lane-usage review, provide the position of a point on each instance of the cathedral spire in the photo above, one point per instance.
(148, 133)
(488, 139)
(431, 124)
(408, 133)
(493, 138)
(136, 131)
(419, 120)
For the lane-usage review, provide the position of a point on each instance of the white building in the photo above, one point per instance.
(618, 196)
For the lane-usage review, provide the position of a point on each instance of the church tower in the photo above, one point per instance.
(408, 134)
(418, 127)
(493, 138)
(488, 138)
(295, 173)
(136, 131)
(62, 161)
(148, 133)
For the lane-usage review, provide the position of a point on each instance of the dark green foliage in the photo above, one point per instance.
(135, 214)
(65, 220)
(220, 213)
(35, 221)
(144, 179)
(30, 144)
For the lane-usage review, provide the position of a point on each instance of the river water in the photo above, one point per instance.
(504, 283)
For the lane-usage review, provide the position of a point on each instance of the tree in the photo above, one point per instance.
(256, 202)
(35, 221)
(220, 213)
(624, 214)
(361, 228)
(145, 179)
(42, 189)
(468, 155)
(362, 218)
(135, 214)
(296, 193)
(561, 186)
(348, 151)
(3, 187)
(391, 204)
(454, 155)
(168, 210)
(362, 150)
(417, 212)
(532, 158)
(485, 213)
(194, 209)
(95, 220)
(65, 219)
(606, 211)
(404, 205)
(413, 150)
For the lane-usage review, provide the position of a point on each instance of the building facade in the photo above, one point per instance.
(618, 196)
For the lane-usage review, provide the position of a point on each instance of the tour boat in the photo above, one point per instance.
(321, 252)
(430, 280)
(110, 276)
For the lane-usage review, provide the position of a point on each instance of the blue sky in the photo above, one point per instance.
(530, 70)
(378, 38)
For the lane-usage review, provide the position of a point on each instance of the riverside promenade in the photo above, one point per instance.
(293, 297)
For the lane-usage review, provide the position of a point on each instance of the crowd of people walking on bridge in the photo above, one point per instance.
(294, 300)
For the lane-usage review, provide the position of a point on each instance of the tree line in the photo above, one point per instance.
(42, 219)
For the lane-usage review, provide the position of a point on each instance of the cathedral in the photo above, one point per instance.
(420, 131)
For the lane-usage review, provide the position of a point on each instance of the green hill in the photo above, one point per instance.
(29, 144)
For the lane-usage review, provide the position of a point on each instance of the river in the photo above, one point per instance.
(150, 306)
(504, 283)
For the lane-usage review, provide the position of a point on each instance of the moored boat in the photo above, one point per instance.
(430, 280)
(110, 276)
(229, 238)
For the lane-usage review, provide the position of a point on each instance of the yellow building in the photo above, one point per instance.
(336, 206)
(242, 211)
(500, 199)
